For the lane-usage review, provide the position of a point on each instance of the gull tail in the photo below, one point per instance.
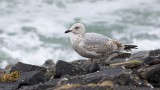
(129, 47)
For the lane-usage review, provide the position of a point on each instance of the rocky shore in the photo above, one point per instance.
(139, 72)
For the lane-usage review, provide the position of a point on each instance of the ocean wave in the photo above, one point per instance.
(32, 31)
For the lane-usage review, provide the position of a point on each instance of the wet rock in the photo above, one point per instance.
(22, 67)
(8, 86)
(152, 74)
(49, 84)
(130, 64)
(100, 86)
(26, 78)
(133, 88)
(95, 77)
(98, 76)
(148, 60)
(128, 79)
(151, 61)
(50, 66)
(64, 68)
(42, 86)
(97, 87)
(155, 53)
(90, 74)
(153, 58)
(139, 55)
(32, 78)
(48, 63)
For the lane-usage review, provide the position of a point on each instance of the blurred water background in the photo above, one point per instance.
(32, 31)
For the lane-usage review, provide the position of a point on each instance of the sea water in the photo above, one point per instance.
(32, 31)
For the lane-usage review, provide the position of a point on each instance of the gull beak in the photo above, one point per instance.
(68, 31)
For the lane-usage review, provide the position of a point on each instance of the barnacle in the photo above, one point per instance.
(11, 77)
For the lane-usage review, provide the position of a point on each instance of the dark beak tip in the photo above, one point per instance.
(67, 31)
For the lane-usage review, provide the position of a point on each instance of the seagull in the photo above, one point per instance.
(94, 45)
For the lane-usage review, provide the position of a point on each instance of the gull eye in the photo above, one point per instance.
(76, 28)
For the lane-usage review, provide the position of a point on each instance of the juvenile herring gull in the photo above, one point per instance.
(94, 45)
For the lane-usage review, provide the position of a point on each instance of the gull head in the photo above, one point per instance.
(77, 28)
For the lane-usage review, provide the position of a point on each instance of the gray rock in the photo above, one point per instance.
(32, 78)
(152, 74)
(22, 67)
(65, 68)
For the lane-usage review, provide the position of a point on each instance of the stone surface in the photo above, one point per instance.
(95, 77)
(65, 68)
(9, 85)
(22, 67)
(25, 79)
(152, 75)
(48, 63)
(140, 72)
(139, 55)
(32, 78)
(42, 86)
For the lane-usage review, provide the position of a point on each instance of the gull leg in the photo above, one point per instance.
(116, 54)
(107, 61)
(101, 60)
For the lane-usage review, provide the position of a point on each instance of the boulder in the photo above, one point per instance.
(22, 67)
(152, 74)
(65, 68)
(32, 78)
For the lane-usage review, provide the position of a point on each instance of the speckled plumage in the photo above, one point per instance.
(92, 45)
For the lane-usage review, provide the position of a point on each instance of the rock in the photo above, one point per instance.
(64, 68)
(133, 88)
(22, 67)
(95, 77)
(42, 86)
(151, 61)
(139, 55)
(154, 53)
(49, 84)
(128, 79)
(100, 86)
(48, 63)
(50, 66)
(26, 78)
(9, 86)
(87, 74)
(130, 64)
(32, 78)
(152, 74)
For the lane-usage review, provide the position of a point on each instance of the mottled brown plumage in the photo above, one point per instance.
(93, 45)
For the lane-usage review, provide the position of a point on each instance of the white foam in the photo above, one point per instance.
(50, 20)
(40, 55)
(3, 64)
(146, 44)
